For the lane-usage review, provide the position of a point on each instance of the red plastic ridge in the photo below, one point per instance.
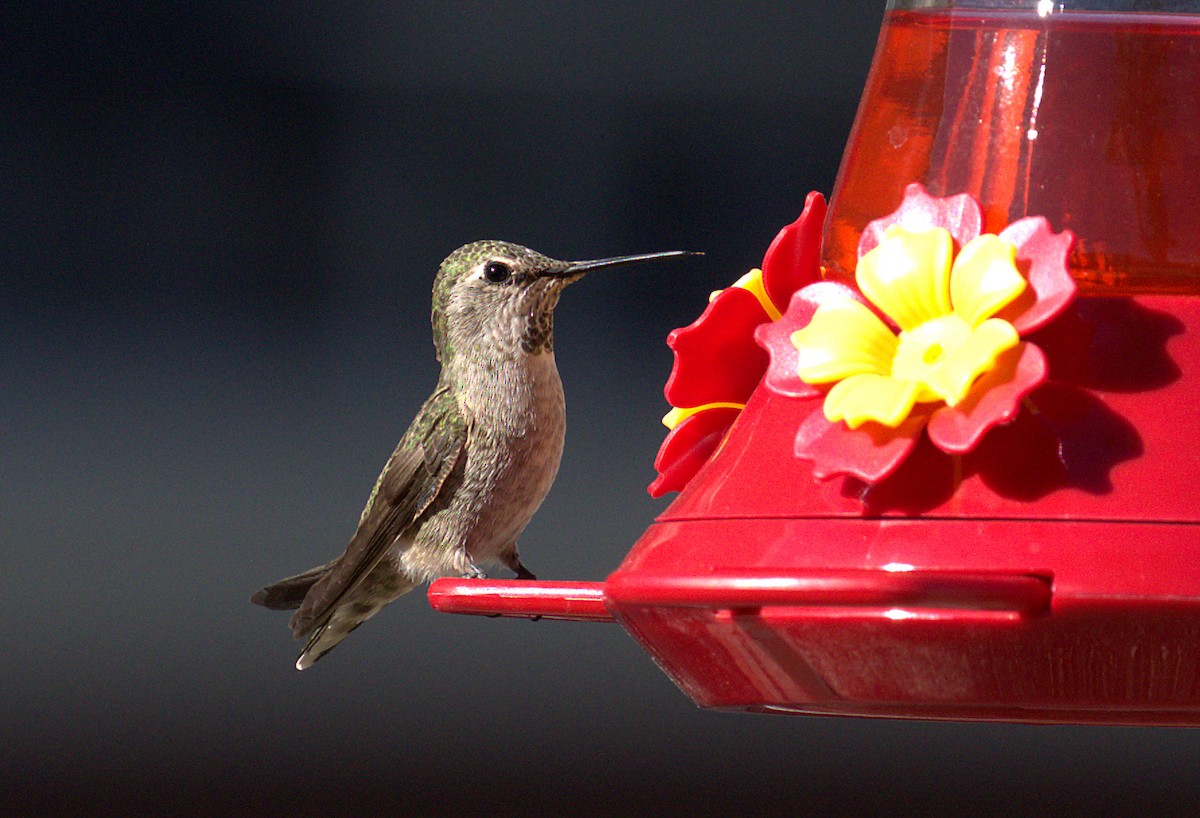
(1023, 594)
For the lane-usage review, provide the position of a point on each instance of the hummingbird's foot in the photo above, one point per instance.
(473, 571)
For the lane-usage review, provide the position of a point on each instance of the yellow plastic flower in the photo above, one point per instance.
(944, 307)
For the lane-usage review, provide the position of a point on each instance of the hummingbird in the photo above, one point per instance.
(477, 460)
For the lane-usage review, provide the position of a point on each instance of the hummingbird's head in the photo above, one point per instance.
(499, 297)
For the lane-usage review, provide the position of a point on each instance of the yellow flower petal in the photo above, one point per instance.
(907, 275)
(753, 281)
(984, 278)
(977, 353)
(843, 338)
(880, 398)
(677, 415)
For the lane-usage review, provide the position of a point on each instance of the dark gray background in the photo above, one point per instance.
(219, 229)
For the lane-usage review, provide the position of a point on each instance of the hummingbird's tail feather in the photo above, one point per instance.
(289, 592)
(344, 618)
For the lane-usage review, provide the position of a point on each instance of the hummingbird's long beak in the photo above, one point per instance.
(577, 268)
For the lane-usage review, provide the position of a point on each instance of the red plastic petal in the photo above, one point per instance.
(918, 210)
(994, 399)
(716, 358)
(776, 337)
(688, 446)
(1042, 258)
(794, 258)
(871, 452)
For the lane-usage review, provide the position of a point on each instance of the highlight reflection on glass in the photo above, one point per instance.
(1086, 113)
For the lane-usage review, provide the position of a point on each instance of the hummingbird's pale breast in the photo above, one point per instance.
(514, 405)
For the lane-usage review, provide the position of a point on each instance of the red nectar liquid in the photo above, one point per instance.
(1091, 119)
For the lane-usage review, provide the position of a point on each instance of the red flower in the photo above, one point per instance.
(718, 364)
(936, 347)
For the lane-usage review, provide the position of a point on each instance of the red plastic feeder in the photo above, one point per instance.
(1068, 593)
(1024, 549)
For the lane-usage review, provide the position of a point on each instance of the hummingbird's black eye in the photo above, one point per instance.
(497, 272)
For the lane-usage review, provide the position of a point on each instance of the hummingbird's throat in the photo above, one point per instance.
(538, 333)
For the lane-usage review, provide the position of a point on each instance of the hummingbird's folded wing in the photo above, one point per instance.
(411, 481)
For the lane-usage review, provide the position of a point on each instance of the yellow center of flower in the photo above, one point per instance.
(944, 307)
(922, 350)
